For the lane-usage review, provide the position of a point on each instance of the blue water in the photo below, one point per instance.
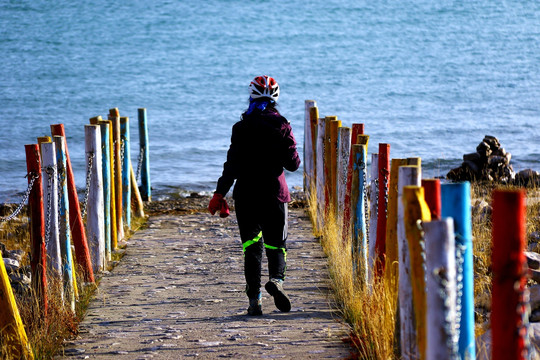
(429, 77)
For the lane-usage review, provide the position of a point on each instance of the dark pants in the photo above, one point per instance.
(262, 223)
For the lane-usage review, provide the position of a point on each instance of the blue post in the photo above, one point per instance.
(456, 203)
(106, 166)
(146, 192)
(126, 183)
(358, 205)
(63, 221)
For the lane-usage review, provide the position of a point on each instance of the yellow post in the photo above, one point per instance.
(392, 268)
(11, 326)
(334, 125)
(136, 199)
(416, 212)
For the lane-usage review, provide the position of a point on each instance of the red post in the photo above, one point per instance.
(432, 194)
(76, 225)
(357, 129)
(38, 261)
(384, 181)
(509, 318)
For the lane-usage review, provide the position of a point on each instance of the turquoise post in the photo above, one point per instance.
(456, 203)
(146, 191)
(359, 206)
(106, 166)
(126, 183)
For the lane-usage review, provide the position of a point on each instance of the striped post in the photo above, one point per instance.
(114, 117)
(94, 207)
(334, 126)
(456, 203)
(321, 176)
(416, 209)
(384, 179)
(52, 239)
(126, 168)
(146, 188)
(38, 251)
(344, 149)
(509, 313)
(104, 127)
(308, 146)
(408, 175)
(357, 129)
(63, 222)
(372, 236)
(441, 290)
(78, 234)
(432, 191)
(392, 267)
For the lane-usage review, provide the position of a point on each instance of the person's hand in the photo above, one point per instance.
(224, 211)
(215, 203)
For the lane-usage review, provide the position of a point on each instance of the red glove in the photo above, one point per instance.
(218, 203)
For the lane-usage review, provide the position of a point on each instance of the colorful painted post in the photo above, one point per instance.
(432, 192)
(321, 176)
(38, 259)
(104, 127)
(456, 203)
(52, 239)
(392, 268)
(509, 299)
(114, 231)
(384, 179)
(94, 207)
(408, 175)
(126, 166)
(417, 212)
(308, 145)
(344, 149)
(314, 119)
(136, 198)
(328, 186)
(372, 235)
(441, 290)
(357, 129)
(14, 340)
(334, 126)
(146, 188)
(63, 222)
(76, 224)
(114, 117)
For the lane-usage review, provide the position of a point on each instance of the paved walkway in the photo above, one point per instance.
(179, 292)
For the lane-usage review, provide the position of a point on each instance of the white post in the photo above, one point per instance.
(308, 146)
(344, 148)
(94, 207)
(408, 175)
(441, 290)
(50, 192)
(321, 181)
(372, 235)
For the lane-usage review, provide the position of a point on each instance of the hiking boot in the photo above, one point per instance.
(255, 306)
(275, 288)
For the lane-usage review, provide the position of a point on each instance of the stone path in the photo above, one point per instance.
(179, 292)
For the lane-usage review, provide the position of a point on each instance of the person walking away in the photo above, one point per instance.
(262, 146)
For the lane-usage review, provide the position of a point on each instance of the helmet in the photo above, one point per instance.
(264, 86)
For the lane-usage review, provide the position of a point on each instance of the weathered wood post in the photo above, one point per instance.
(146, 188)
(12, 332)
(432, 190)
(344, 149)
(417, 212)
(510, 297)
(314, 118)
(441, 290)
(82, 253)
(308, 146)
(94, 206)
(321, 175)
(136, 199)
(126, 167)
(114, 117)
(52, 239)
(384, 179)
(357, 129)
(408, 175)
(104, 127)
(456, 203)
(63, 222)
(334, 126)
(328, 188)
(38, 259)
(372, 236)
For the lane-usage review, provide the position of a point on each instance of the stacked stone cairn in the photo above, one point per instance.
(19, 276)
(491, 163)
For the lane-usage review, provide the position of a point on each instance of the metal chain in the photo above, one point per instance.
(524, 310)
(122, 149)
(376, 196)
(366, 206)
(51, 172)
(33, 177)
(139, 165)
(60, 178)
(441, 279)
(91, 156)
(385, 174)
(460, 259)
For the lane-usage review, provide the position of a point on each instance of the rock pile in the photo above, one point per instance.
(491, 162)
(19, 276)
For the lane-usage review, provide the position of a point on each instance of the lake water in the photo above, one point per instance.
(429, 77)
